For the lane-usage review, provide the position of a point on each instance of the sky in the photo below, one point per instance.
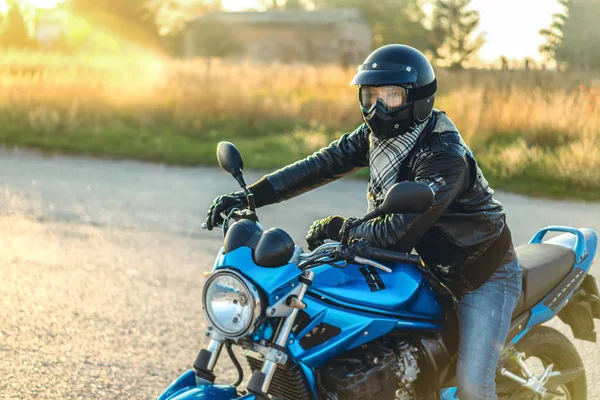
(511, 26)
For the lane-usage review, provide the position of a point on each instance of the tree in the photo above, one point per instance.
(554, 34)
(211, 39)
(453, 32)
(132, 19)
(285, 4)
(295, 5)
(171, 16)
(392, 21)
(14, 31)
(153, 24)
(573, 38)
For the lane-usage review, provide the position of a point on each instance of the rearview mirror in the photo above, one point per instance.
(230, 160)
(407, 198)
(402, 198)
(229, 157)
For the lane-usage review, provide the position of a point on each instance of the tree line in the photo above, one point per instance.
(573, 39)
(448, 32)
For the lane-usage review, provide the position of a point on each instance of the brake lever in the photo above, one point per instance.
(372, 263)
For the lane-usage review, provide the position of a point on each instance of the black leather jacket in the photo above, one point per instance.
(463, 238)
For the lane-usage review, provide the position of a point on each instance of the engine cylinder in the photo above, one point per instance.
(369, 372)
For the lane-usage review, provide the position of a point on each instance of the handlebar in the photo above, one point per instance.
(364, 253)
(358, 251)
(393, 256)
(363, 249)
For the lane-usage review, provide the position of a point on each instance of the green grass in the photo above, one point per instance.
(537, 176)
(272, 144)
(161, 143)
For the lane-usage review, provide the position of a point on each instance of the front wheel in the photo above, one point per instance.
(543, 346)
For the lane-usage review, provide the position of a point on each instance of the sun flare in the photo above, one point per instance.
(43, 3)
(31, 3)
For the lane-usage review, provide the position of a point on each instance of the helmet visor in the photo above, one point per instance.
(392, 97)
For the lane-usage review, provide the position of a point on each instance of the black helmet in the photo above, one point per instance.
(403, 75)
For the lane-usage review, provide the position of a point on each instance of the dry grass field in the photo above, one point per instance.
(535, 132)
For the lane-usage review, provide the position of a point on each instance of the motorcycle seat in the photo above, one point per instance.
(543, 266)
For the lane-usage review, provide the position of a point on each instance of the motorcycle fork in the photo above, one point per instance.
(261, 380)
(206, 361)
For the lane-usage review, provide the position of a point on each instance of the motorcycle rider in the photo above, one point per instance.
(464, 238)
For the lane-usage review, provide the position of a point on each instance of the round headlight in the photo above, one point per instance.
(232, 304)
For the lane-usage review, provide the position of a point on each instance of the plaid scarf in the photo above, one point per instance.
(385, 160)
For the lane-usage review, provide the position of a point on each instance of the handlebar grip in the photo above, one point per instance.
(393, 256)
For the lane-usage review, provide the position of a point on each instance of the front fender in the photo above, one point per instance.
(186, 388)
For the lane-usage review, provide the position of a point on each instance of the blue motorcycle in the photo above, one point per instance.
(348, 321)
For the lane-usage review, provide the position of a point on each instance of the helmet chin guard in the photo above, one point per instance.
(385, 125)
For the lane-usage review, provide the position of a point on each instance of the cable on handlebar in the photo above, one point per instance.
(318, 249)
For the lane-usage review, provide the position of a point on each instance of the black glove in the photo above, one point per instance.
(224, 204)
(323, 229)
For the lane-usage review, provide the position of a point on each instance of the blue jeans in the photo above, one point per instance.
(484, 317)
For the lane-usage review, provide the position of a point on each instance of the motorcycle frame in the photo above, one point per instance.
(367, 324)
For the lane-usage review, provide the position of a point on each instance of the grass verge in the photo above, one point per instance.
(510, 165)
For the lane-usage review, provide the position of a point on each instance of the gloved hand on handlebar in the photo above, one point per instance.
(323, 229)
(224, 203)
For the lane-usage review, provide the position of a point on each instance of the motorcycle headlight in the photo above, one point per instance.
(232, 304)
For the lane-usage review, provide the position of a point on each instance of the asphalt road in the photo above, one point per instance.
(101, 269)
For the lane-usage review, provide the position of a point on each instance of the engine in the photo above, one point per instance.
(375, 371)
(372, 372)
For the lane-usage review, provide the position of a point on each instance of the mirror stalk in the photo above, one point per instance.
(250, 200)
(239, 177)
(373, 214)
